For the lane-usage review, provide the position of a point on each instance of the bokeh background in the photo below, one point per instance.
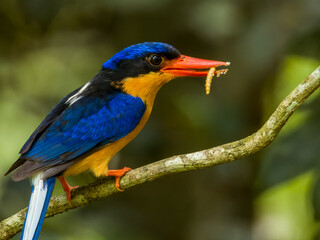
(48, 48)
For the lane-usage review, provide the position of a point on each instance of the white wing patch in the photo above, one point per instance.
(71, 100)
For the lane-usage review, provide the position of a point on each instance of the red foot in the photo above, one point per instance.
(118, 174)
(67, 188)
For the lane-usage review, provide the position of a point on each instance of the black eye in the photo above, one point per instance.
(155, 60)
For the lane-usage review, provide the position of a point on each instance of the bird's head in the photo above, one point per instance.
(141, 69)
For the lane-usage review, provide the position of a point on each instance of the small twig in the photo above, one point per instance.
(214, 156)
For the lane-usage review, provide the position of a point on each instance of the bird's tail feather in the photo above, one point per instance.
(39, 201)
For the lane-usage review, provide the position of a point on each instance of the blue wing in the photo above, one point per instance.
(85, 125)
(54, 113)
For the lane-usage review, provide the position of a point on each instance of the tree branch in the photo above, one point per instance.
(218, 155)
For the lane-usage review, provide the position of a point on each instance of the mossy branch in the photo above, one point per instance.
(218, 155)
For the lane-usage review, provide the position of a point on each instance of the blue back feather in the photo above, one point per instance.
(60, 107)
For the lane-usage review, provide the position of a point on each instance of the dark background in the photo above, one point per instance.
(48, 48)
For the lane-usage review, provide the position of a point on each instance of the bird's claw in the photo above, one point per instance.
(118, 174)
(67, 188)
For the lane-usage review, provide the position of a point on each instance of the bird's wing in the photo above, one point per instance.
(83, 126)
(53, 114)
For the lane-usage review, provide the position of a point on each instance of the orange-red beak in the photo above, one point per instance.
(192, 67)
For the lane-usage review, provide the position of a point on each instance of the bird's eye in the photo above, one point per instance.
(155, 60)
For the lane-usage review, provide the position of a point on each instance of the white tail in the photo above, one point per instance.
(39, 201)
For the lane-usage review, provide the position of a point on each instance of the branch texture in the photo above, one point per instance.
(218, 155)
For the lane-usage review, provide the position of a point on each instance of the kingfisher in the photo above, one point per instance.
(94, 122)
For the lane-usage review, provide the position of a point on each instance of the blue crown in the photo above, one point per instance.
(136, 51)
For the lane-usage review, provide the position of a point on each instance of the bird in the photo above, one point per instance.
(95, 121)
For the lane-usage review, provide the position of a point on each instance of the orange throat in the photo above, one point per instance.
(146, 86)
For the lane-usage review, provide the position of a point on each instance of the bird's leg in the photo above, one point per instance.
(118, 174)
(67, 188)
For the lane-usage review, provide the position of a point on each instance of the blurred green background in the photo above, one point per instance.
(48, 48)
